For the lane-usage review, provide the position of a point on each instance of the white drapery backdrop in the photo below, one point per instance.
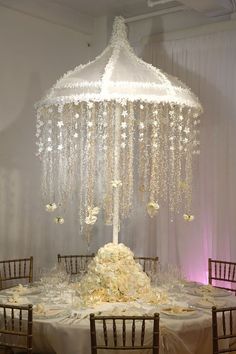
(206, 63)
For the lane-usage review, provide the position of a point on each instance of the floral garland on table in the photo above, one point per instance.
(114, 276)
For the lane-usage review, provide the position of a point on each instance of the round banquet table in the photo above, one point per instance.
(67, 330)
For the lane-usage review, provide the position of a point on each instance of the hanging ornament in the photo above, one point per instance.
(116, 183)
(51, 207)
(92, 215)
(152, 209)
(59, 220)
(188, 217)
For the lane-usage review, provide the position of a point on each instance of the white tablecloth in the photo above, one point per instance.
(71, 335)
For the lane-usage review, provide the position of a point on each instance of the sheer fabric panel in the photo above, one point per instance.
(206, 63)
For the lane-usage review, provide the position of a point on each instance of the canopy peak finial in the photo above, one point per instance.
(119, 32)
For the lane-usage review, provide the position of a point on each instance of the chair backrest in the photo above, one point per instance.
(75, 263)
(223, 329)
(16, 327)
(222, 272)
(15, 269)
(148, 263)
(124, 333)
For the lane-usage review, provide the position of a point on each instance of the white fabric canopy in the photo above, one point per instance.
(118, 74)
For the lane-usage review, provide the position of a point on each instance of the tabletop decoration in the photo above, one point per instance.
(15, 298)
(114, 276)
(178, 310)
(39, 309)
(54, 280)
(208, 289)
(105, 131)
(208, 302)
(20, 289)
(110, 120)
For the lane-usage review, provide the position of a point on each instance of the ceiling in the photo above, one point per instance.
(129, 8)
(79, 14)
(124, 8)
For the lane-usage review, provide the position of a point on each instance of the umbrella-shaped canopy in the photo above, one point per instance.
(106, 123)
(118, 74)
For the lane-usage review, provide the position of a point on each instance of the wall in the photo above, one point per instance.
(34, 54)
(141, 31)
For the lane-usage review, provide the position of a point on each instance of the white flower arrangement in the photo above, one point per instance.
(114, 276)
(51, 207)
(152, 208)
(59, 220)
(91, 218)
(116, 183)
(188, 217)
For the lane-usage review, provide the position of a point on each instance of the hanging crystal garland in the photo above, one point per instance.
(96, 136)
(74, 139)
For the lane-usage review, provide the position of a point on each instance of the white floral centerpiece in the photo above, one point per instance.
(114, 276)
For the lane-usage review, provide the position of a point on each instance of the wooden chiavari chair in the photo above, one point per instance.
(148, 263)
(224, 330)
(222, 271)
(16, 328)
(74, 264)
(123, 333)
(15, 269)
